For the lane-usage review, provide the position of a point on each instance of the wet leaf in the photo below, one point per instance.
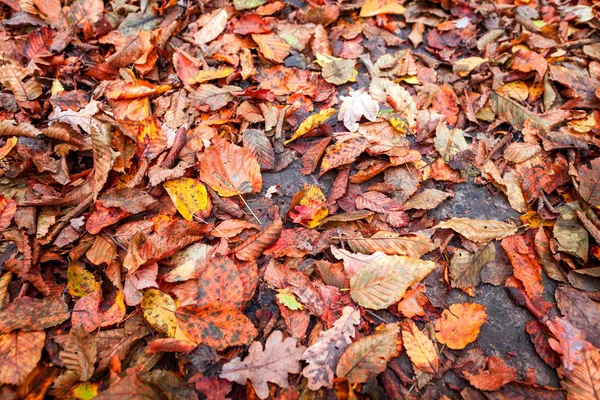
(220, 283)
(29, 314)
(494, 377)
(525, 265)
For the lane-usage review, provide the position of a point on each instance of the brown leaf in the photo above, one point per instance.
(253, 247)
(369, 355)
(29, 314)
(342, 153)
(212, 26)
(272, 47)
(79, 353)
(479, 230)
(392, 244)
(580, 311)
(589, 188)
(497, 375)
(271, 364)
(19, 354)
(323, 355)
(230, 170)
(259, 145)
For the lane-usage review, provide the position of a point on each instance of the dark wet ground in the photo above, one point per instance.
(504, 334)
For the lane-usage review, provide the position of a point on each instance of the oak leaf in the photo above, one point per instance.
(460, 324)
(323, 355)
(271, 364)
(384, 281)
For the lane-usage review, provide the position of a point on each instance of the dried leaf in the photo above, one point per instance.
(323, 355)
(189, 196)
(479, 230)
(311, 123)
(13, 76)
(384, 281)
(343, 153)
(216, 326)
(79, 353)
(159, 311)
(254, 246)
(497, 375)
(525, 265)
(271, 364)
(220, 283)
(230, 170)
(392, 244)
(259, 145)
(420, 348)
(29, 314)
(272, 47)
(19, 354)
(369, 355)
(359, 104)
(212, 26)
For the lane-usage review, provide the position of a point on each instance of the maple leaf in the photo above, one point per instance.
(359, 104)
(323, 355)
(272, 364)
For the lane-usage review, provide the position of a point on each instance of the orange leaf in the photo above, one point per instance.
(220, 283)
(254, 246)
(215, 326)
(460, 325)
(230, 170)
(497, 375)
(525, 265)
(272, 47)
(19, 354)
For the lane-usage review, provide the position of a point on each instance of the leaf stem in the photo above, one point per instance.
(247, 206)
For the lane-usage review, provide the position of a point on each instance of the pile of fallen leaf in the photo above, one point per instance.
(142, 257)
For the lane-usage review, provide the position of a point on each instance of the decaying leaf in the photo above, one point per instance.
(19, 354)
(420, 348)
(272, 364)
(189, 196)
(323, 355)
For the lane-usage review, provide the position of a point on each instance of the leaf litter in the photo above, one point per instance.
(142, 254)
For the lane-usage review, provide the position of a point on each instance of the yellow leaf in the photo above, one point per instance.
(189, 196)
(375, 7)
(420, 349)
(81, 282)
(287, 298)
(210, 74)
(309, 207)
(159, 310)
(464, 66)
(311, 123)
(84, 391)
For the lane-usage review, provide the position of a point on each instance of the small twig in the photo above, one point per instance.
(507, 138)
(371, 313)
(197, 218)
(252, 212)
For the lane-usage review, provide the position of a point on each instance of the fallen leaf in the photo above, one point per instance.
(479, 230)
(420, 349)
(230, 170)
(189, 196)
(272, 364)
(311, 123)
(19, 354)
(497, 375)
(369, 355)
(384, 281)
(29, 314)
(159, 311)
(460, 324)
(323, 355)
(212, 26)
(359, 104)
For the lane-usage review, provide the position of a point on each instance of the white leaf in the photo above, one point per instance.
(359, 104)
